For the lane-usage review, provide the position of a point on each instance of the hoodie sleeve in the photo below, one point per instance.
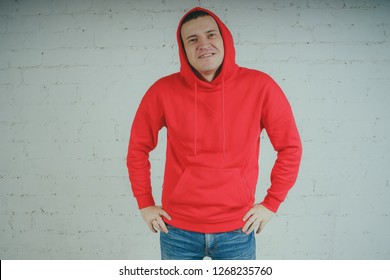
(278, 121)
(148, 120)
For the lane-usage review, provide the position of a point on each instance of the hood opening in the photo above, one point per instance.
(228, 66)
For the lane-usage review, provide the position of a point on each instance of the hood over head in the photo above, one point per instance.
(229, 66)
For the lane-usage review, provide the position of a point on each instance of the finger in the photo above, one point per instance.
(253, 227)
(165, 214)
(246, 227)
(162, 226)
(248, 215)
(155, 226)
(151, 227)
(248, 224)
(259, 229)
(261, 226)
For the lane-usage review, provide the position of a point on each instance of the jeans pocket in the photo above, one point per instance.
(237, 231)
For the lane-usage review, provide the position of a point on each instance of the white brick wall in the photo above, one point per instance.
(72, 74)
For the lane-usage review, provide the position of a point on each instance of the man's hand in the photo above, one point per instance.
(256, 219)
(153, 218)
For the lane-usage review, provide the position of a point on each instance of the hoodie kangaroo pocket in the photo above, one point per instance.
(210, 189)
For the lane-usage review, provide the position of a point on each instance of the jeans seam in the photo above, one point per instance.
(206, 247)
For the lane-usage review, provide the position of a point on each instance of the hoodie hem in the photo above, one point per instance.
(190, 224)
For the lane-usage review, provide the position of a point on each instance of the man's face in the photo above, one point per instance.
(203, 45)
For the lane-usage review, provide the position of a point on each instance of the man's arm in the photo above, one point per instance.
(148, 121)
(278, 120)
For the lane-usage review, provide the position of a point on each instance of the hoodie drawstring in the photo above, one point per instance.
(223, 116)
(223, 119)
(196, 117)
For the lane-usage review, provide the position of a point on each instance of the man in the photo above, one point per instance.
(214, 112)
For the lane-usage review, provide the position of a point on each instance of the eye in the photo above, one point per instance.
(191, 41)
(212, 35)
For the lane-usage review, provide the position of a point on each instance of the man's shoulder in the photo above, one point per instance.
(254, 73)
(163, 85)
(255, 77)
(167, 80)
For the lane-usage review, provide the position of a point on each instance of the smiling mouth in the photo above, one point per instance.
(206, 55)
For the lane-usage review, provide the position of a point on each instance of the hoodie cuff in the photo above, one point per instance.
(271, 203)
(145, 201)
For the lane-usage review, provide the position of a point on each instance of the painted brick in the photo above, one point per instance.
(72, 74)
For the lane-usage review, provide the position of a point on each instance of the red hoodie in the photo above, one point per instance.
(213, 143)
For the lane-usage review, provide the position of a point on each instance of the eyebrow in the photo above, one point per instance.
(208, 32)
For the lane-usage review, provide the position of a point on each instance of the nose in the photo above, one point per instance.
(203, 43)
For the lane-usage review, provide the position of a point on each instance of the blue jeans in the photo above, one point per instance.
(180, 244)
